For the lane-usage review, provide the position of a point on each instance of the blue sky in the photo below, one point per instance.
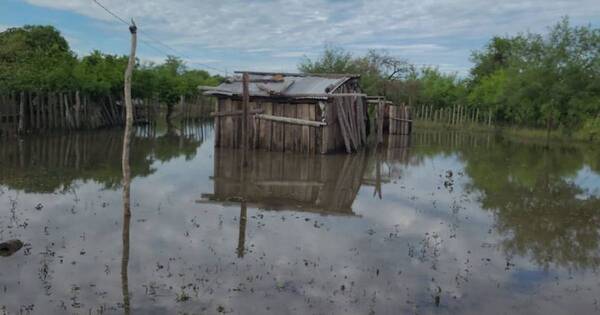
(273, 35)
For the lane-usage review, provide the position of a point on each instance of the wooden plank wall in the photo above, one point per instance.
(285, 137)
(400, 120)
(265, 134)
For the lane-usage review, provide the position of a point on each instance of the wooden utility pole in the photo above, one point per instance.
(128, 106)
(127, 169)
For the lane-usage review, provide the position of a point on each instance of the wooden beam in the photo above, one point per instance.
(237, 113)
(293, 121)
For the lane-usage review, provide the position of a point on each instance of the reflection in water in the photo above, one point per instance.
(320, 183)
(536, 205)
(126, 168)
(52, 163)
(440, 222)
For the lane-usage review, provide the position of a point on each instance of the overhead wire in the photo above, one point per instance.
(120, 19)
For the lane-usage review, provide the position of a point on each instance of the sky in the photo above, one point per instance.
(268, 35)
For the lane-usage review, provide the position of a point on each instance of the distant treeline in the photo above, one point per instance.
(38, 60)
(543, 81)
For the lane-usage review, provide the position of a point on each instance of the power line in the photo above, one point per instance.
(110, 12)
(116, 16)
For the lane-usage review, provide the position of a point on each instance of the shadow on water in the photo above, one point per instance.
(439, 222)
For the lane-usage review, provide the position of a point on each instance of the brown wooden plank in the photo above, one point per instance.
(290, 112)
(264, 136)
(343, 126)
(228, 129)
(312, 132)
(218, 124)
(278, 128)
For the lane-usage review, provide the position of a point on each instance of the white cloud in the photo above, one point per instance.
(290, 28)
(291, 54)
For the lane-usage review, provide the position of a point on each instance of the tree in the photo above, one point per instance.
(34, 58)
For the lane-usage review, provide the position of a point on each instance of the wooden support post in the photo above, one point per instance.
(245, 101)
(380, 118)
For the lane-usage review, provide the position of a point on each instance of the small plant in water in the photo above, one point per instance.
(182, 297)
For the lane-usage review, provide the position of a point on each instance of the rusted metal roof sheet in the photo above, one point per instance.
(282, 85)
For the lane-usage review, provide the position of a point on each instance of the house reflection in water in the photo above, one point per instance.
(284, 181)
(325, 184)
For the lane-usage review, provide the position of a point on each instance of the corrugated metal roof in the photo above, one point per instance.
(281, 85)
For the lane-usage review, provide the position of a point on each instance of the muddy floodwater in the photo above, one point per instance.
(438, 223)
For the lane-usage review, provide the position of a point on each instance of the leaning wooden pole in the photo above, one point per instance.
(126, 167)
(128, 103)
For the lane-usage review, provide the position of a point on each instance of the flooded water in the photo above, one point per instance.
(441, 223)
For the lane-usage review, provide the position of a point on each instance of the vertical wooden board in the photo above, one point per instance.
(332, 126)
(301, 113)
(264, 141)
(237, 123)
(336, 141)
(217, 122)
(255, 126)
(304, 130)
(392, 121)
(252, 105)
(312, 131)
(278, 145)
(275, 128)
(295, 129)
(227, 134)
(289, 130)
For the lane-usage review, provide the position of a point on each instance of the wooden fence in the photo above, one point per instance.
(400, 120)
(195, 107)
(43, 111)
(454, 115)
(33, 112)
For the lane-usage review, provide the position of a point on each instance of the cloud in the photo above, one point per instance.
(291, 28)
(291, 54)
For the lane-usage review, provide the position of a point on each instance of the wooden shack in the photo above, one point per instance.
(292, 112)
